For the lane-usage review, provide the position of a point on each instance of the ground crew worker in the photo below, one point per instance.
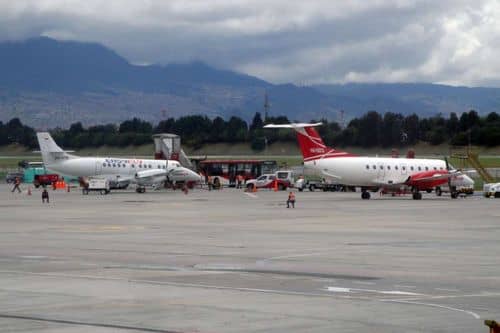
(209, 183)
(240, 181)
(17, 182)
(45, 196)
(291, 200)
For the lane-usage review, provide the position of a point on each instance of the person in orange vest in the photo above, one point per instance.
(17, 182)
(291, 200)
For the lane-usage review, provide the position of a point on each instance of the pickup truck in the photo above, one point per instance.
(283, 179)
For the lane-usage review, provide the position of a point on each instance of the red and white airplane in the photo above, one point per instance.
(383, 173)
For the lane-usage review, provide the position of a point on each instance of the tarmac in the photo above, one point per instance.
(230, 261)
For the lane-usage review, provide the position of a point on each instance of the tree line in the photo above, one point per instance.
(370, 130)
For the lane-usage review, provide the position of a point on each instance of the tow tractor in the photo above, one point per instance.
(100, 185)
(491, 189)
(312, 185)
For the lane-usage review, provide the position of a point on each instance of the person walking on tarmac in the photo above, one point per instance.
(45, 195)
(17, 182)
(291, 200)
(240, 181)
(209, 183)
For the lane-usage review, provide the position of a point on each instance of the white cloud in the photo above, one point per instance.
(449, 41)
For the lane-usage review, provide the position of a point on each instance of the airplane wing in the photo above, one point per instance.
(150, 177)
(425, 178)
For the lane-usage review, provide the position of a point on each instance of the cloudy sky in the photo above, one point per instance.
(443, 41)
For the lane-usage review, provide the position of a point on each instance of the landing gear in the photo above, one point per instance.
(365, 195)
(417, 196)
(453, 192)
(140, 189)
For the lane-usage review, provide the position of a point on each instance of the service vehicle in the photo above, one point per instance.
(491, 189)
(314, 185)
(280, 179)
(225, 172)
(44, 180)
(460, 184)
(100, 185)
(11, 177)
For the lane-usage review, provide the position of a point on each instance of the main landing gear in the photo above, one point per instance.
(365, 195)
(416, 194)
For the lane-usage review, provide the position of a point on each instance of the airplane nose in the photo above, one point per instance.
(193, 176)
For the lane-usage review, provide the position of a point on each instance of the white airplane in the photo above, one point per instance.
(140, 171)
(370, 173)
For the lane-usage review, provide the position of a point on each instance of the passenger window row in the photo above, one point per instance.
(412, 168)
(145, 166)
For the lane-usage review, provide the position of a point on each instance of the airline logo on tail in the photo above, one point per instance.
(311, 144)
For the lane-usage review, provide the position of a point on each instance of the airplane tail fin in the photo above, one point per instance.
(51, 152)
(311, 144)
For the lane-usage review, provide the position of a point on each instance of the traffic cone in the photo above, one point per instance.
(254, 188)
(29, 190)
(275, 185)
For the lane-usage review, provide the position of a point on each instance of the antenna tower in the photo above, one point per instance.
(266, 106)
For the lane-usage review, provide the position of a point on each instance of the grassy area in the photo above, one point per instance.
(486, 161)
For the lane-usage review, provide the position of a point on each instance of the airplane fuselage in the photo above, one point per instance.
(373, 171)
(102, 166)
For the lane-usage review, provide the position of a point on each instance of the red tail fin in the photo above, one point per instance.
(311, 144)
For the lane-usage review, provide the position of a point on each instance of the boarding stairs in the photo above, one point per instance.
(168, 147)
(470, 155)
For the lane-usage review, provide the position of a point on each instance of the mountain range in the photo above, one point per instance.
(49, 83)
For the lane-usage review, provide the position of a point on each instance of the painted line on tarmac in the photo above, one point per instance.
(414, 301)
(251, 195)
(473, 314)
(295, 256)
(182, 284)
(83, 323)
(383, 292)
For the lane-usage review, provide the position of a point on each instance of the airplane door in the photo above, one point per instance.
(381, 170)
(98, 168)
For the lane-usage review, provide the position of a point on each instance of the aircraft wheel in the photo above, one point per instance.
(312, 188)
(417, 196)
(429, 190)
(365, 195)
(454, 195)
